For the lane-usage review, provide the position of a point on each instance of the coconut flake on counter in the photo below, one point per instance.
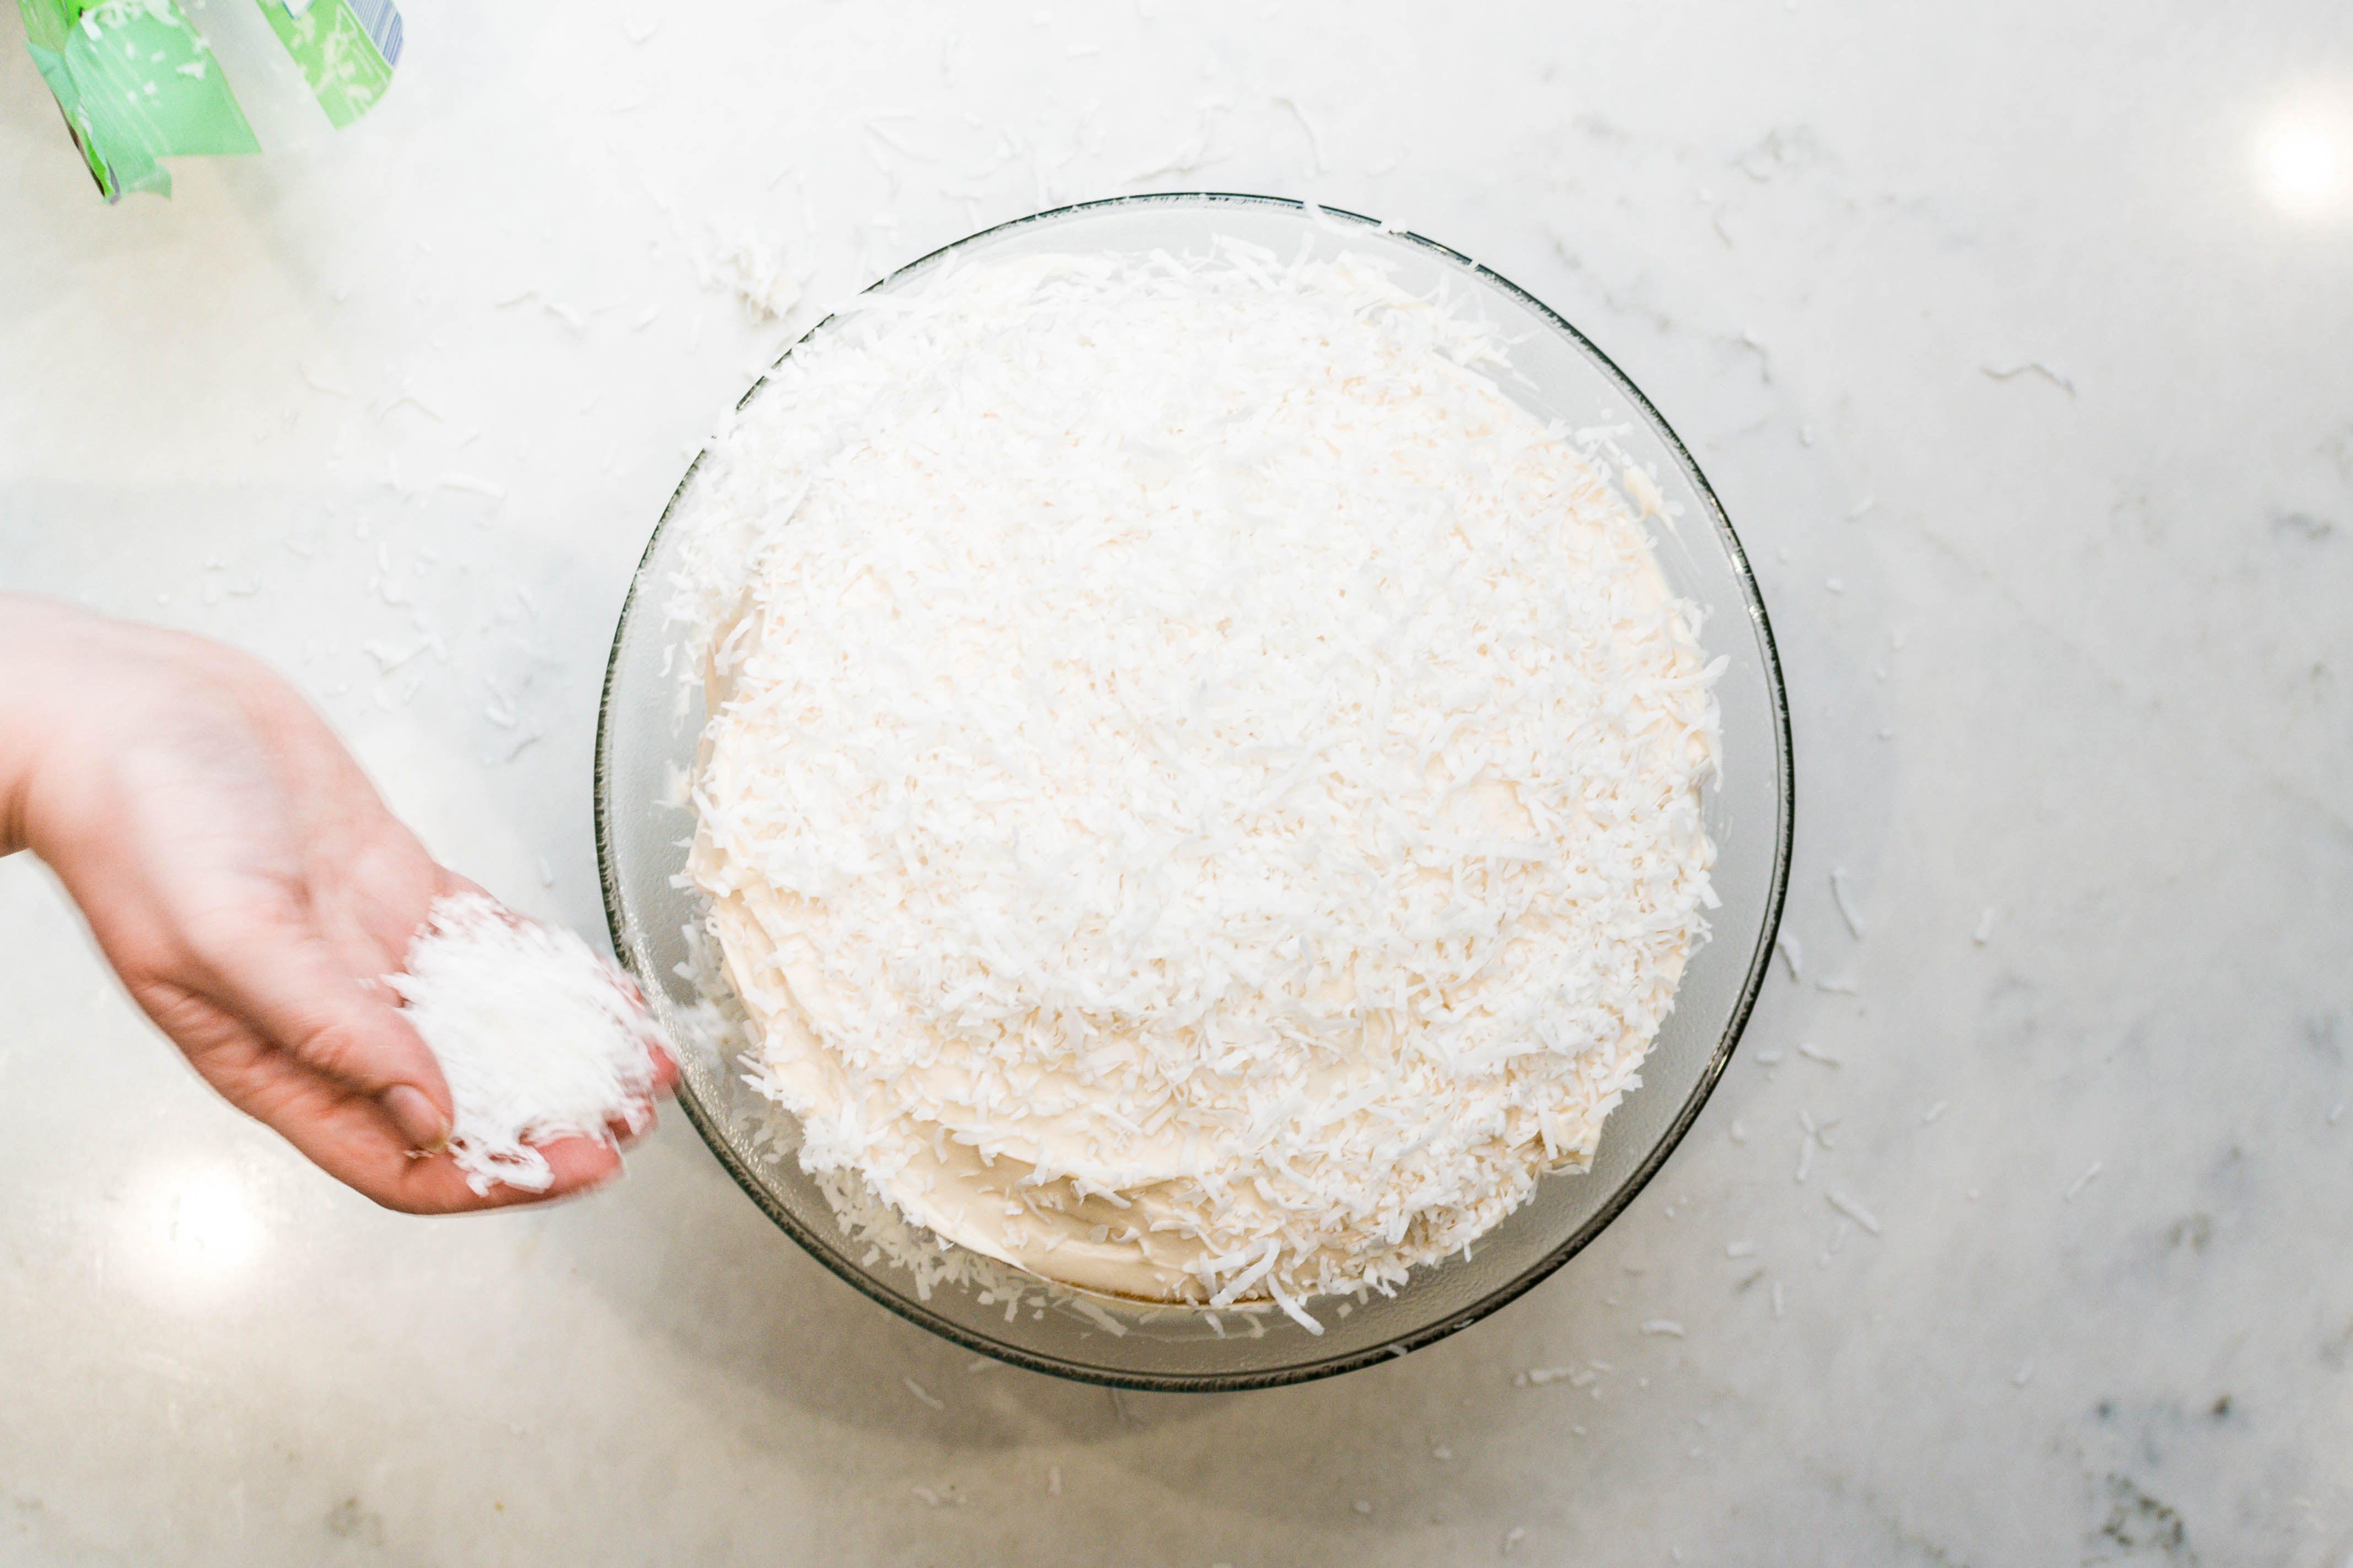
(2030, 367)
(1845, 907)
(537, 1038)
(1852, 1210)
(1314, 135)
(473, 484)
(736, 258)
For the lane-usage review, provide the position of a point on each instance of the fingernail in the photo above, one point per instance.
(415, 1116)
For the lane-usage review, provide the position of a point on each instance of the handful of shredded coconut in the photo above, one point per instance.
(1201, 795)
(538, 1038)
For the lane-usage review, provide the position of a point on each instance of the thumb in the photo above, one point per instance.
(285, 982)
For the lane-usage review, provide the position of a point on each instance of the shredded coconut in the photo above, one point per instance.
(1201, 799)
(2091, 1174)
(1845, 905)
(538, 1038)
(1853, 1211)
(736, 258)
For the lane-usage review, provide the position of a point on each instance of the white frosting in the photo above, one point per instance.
(1203, 794)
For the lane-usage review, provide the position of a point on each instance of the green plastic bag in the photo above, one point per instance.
(140, 80)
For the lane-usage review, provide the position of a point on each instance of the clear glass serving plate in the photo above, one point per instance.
(648, 726)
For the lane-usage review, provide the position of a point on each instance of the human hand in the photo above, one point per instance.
(247, 885)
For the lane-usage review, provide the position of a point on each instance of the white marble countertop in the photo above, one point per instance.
(2014, 338)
